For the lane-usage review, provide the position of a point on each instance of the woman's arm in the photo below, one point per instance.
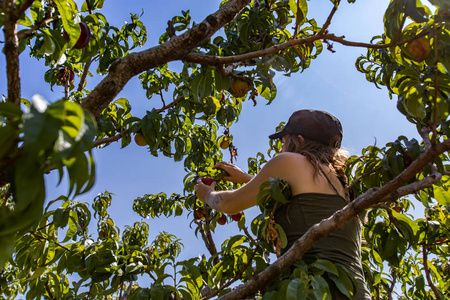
(233, 201)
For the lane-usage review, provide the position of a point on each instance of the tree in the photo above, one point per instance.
(229, 57)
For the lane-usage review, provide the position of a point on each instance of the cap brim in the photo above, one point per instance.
(277, 135)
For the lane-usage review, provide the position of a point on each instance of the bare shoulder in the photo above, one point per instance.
(289, 158)
(288, 165)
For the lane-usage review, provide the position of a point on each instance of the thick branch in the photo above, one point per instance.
(11, 51)
(391, 190)
(122, 70)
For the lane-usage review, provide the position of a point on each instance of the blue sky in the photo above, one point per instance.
(331, 83)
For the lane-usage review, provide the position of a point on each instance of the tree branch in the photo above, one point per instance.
(127, 131)
(40, 237)
(11, 51)
(362, 176)
(330, 16)
(217, 60)
(122, 70)
(211, 250)
(170, 105)
(43, 22)
(111, 139)
(427, 273)
(85, 72)
(23, 8)
(391, 190)
(49, 292)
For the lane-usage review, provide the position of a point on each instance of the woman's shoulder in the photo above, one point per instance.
(290, 162)
(290, 157)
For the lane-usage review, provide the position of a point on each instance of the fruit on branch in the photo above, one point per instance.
(237, 216)
(139, 139)
(207, 180)
(240, 86)
(83, 40)
(418, 49)
(397, 209)
(200, 213)
(65, 75)
(224, 144)
(222, 220)
(407, 159)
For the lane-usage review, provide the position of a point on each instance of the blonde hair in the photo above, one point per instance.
(318, 153)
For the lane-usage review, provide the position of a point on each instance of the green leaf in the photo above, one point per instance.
(73, 220)
(414, 12)
(292, 291)
(8, 137)
(442, 195)
(321, 288)
(390, 244)
(407, 227)
(10, 110)
(343, 282)
(282, 236)
(325, 265)
(69, 16)
(39, 271)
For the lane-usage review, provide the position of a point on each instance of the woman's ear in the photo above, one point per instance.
(300, 137)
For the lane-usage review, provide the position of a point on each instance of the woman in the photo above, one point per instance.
(312, 164)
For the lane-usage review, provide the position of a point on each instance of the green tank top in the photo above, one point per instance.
(343, 246)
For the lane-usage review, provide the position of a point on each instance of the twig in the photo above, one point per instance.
(40, 237)
(43, 22)
(85, 72)
(401, 27)
(162, 99)
(39, 229)
(170, 105)
(427, 273)
(212, 250)
(394, 280)
(89, 7)
(425, 134)
(49, 292)
(212, 246)
(330, 16)
(386, 286)
(111, 139)
(363, 175)
(388, 209)
(249, 236)
(233, 280)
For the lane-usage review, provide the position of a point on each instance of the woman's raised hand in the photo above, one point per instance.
(236, 175)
